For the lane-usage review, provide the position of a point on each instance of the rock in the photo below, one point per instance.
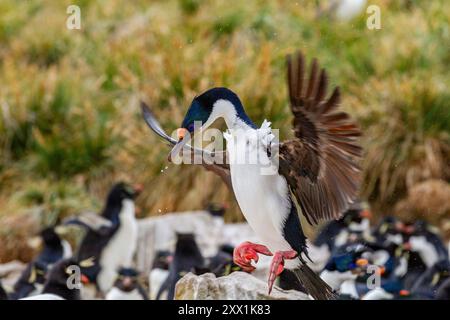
(236, 286)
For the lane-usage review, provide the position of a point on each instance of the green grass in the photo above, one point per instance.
(69, 99)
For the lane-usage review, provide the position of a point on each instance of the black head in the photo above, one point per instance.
(349, 258)
(127, 279)
(50, 237)
(203, 105)
(122, 191)
(216, 210)
(389, 225)
(186, 245)
(356, 213)
(58, 279)
(60, 272)
(128, 272)
(162, 260)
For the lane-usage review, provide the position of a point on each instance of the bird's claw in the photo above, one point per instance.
(277, 265)
(246, 252)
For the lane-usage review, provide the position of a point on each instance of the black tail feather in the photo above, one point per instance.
(313, 284)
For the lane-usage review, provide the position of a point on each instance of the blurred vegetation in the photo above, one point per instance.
(70, 123)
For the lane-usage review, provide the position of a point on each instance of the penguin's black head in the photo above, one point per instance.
(186, 244)
(423, 228)
(50, 237)
(61, 271)
(216, 210)
(122, 191)
(350, 258)
(127, 279)
(162, 260)
(356, 213)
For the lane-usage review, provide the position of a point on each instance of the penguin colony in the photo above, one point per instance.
(410, 260)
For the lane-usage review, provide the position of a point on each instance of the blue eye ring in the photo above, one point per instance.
(190, 128)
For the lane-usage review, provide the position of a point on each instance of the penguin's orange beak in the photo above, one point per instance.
(181, 133)
(84, 279)
(362, 262)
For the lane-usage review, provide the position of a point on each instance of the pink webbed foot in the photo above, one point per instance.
(277, 265)
(246, 252)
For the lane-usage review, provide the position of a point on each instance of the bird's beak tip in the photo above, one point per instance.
(181, 133)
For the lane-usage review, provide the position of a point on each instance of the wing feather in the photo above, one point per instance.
(320, 163)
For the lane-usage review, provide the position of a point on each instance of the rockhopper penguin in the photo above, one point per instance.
(56, 286)
(127, 286)
(111, 238)
(187, 258)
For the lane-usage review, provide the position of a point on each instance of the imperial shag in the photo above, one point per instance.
(317, 169)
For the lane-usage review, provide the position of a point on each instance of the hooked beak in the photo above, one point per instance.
(84, 279)
(181, 133)
(362, 262)
(366, 214)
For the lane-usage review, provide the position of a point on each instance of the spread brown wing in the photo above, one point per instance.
(320, 163)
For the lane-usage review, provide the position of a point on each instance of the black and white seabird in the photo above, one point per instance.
(127, 286)
(111, 238)
(56, 286)
(32, 279)
(187, 257)
(317, 168)
(159, 272)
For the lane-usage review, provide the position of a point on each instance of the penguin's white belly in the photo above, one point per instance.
(45, 296)
(117, 294)
(120, 249)
(156, 278)
(264, 201)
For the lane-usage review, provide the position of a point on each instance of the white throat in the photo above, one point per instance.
(226, 110)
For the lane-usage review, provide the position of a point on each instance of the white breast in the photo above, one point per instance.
(349, 287)
(117, 294)
(425, 249)
(120, 250)
(46, 296)
(263, 199)
(156, 278)
(335, 278)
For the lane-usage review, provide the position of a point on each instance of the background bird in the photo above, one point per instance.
(53, 249)
(111, 238)
(127, 286)
(56, 286)
(186, 258)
